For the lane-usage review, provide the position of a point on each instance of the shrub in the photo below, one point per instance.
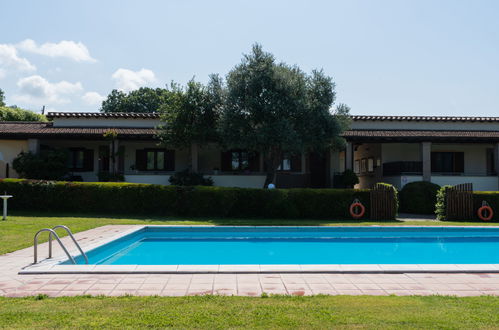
(46, 165)
(348, 179)
(132, 198)
(419, 197)
(18, 114)
(492, 199)
(441, 204)
(188, 178)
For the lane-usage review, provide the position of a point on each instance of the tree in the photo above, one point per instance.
(276, 109)
(142, 100)
(46, 165)
(190, 114)
(18, 114)
(2, 98)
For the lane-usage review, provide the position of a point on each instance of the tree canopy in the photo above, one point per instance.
(18, 114)
(2, 98)
(142, 100)
(276, 109)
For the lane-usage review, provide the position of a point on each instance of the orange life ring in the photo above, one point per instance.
(485, 208)
(352, 210)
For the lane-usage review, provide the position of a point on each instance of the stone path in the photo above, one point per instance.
(14, 285)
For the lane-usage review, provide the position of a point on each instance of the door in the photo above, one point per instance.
(318, 170)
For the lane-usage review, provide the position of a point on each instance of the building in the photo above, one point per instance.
(393, 149)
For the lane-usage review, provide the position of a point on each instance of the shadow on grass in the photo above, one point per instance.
(210, 220)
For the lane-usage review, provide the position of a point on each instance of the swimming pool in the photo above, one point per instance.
(162, 245)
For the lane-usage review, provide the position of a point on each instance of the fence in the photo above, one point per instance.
(383, 202)
(459, 203)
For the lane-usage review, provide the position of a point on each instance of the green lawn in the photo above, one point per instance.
(389, 312)
(17, 232)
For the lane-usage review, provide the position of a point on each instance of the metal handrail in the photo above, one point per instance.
(52, 232)
(70, 234)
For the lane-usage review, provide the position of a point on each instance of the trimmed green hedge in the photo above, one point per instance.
(146, 199)
(491, 197)
(419, 197)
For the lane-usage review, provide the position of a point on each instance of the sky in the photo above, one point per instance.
(400, 57)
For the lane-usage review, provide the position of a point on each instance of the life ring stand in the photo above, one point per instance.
(485, 212)
(357, 204)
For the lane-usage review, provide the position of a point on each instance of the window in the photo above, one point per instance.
(155, 160)
(370, 165)
(491, 169)
(447, 162)
(80, 160)
(290, 163)
(239, 160)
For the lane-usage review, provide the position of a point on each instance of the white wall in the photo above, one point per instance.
(10, 149)
(242, 181)
(424, 125)
(394, 152)
(145, 178)
(480, 183)
(103, 122)
(475, 156)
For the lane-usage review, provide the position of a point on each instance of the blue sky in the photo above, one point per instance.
(438, 57)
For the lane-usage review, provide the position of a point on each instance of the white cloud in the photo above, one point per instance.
(75, 51)
(9, 59)
(93, 98)
(37, 90)
(127, 80)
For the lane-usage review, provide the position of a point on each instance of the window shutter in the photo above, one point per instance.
(170, 160)
(254, 161)
(88, 160)
(121, 159)
(226, 161)
(459, 162)
(140, 160)
(296, 163)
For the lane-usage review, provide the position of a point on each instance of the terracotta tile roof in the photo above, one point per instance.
(39, 129)
(425, 118)
(113, 115)
(420, 135)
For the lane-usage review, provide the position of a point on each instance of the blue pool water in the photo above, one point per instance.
(300, 245)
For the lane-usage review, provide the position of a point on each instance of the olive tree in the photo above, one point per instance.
(276, 109)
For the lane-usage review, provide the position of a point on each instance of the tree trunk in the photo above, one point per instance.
(272, 161)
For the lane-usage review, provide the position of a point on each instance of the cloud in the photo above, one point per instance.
(75, 51)
(3, 73)
(9, 59)
(37, 90)
(127, 80)
(93, 98)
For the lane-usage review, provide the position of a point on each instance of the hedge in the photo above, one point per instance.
(419, 197)
(491, 197)
(147, 199)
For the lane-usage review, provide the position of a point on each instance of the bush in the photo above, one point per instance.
(419, 197)
(147, 199)
(441, 204)
(491, 197)
(347, 179)
(17, 114)
(188, 178)
(46, 165)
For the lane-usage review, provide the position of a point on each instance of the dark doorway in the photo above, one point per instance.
(318, 170)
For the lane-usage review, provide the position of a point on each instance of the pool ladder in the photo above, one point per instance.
(52, 233)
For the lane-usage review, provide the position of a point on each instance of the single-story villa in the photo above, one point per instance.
(393, 149)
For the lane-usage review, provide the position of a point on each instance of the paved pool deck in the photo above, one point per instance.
(13, 284)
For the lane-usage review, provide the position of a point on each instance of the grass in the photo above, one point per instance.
(17, 232)
(389, 312)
